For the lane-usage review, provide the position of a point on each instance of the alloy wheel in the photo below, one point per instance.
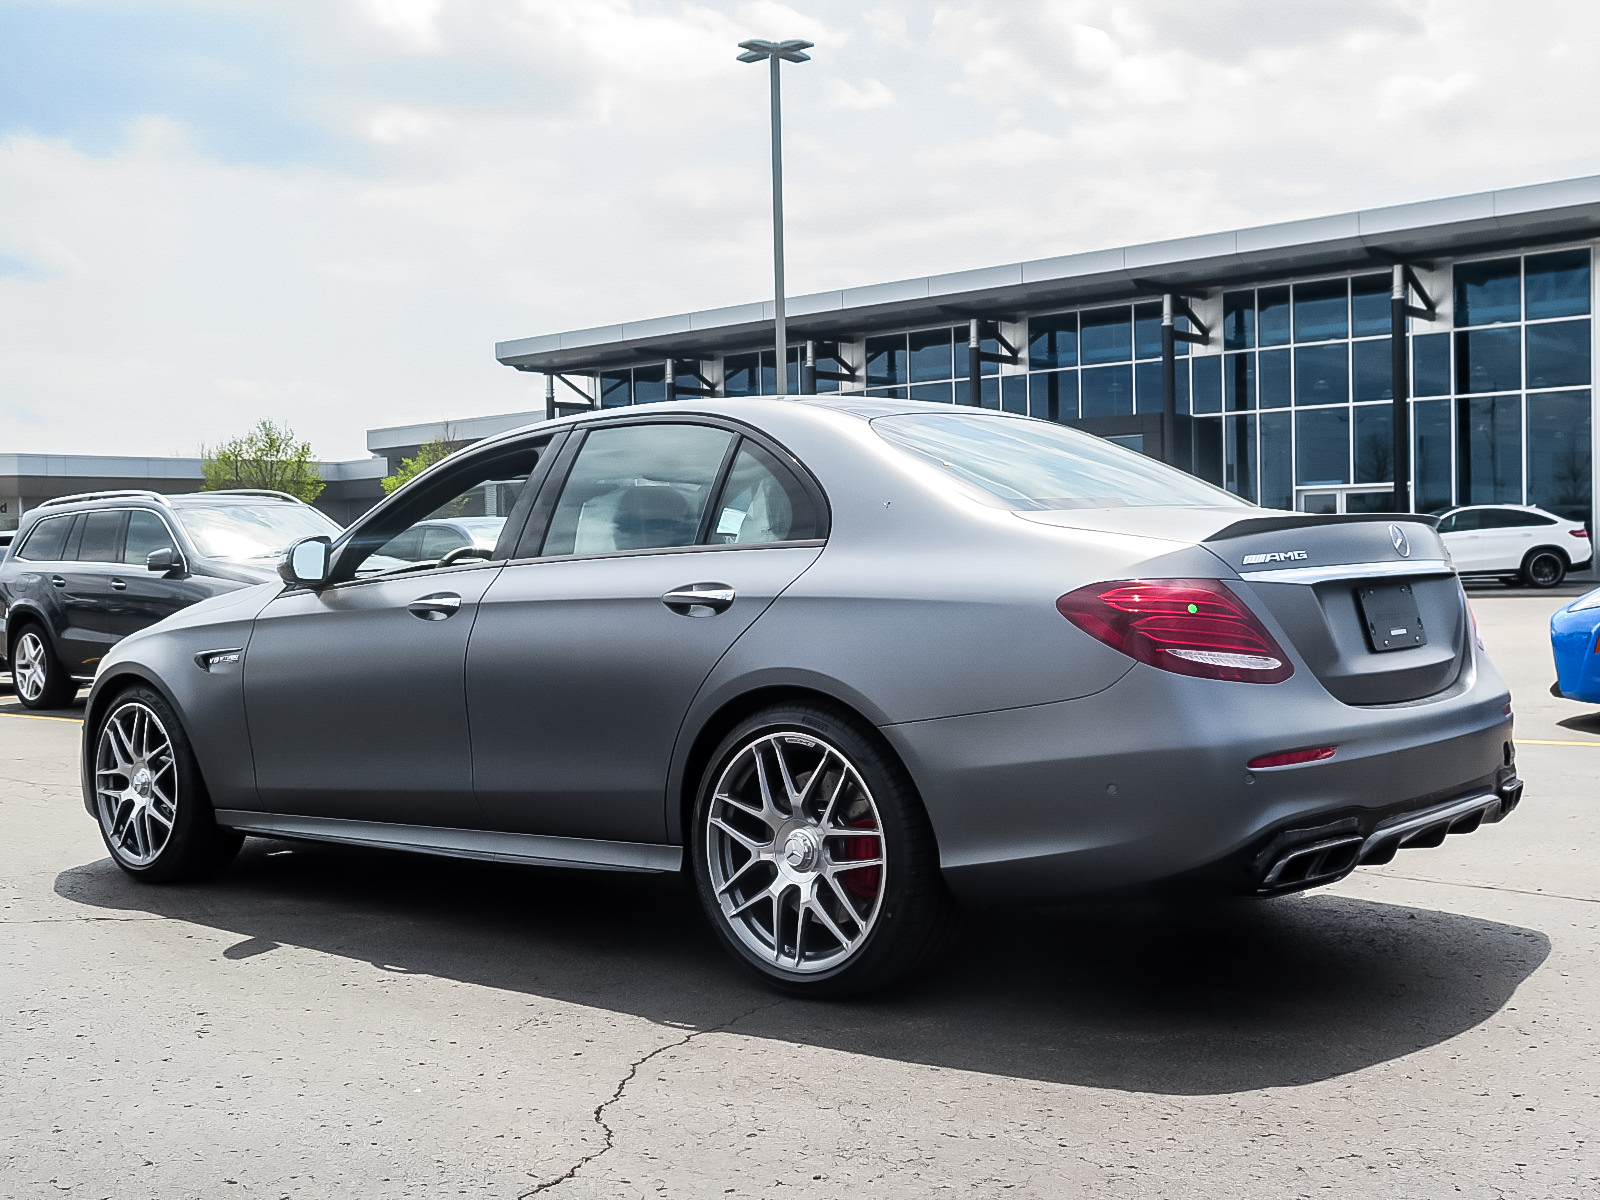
(29, 671)
(136, 783)
(795, 847)
(1545, 570)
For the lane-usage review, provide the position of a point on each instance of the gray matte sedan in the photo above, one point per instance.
(848, 662)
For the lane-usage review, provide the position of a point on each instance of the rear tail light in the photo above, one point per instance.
(1583, 533)
(1477, 637)
(1289, 758)
(1188, 626)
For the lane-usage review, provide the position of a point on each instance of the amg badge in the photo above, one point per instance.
(1251, 560)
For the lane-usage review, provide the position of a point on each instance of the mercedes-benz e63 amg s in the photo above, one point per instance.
(847, 662)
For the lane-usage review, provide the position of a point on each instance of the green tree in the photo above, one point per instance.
(424, 458)
(267, 457)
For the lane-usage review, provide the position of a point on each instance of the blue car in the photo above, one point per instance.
(1573, 633)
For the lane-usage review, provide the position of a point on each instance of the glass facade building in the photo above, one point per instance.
(1285, 396)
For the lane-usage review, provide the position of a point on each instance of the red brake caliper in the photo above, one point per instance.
(862, 883)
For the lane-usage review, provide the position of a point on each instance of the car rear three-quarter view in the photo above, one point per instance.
(849, 664)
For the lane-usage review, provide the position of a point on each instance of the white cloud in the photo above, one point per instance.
(869, 93)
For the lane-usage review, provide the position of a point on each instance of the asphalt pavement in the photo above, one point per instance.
(330, 1022)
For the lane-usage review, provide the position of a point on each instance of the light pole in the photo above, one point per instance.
(775, 52)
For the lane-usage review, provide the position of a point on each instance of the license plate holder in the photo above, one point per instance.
(1389, 611)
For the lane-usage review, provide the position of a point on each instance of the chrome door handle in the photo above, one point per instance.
(436, 607)
(120, 585)
(708, 598)
(58, 581)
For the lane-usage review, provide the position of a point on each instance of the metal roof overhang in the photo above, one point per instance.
(1567, 210)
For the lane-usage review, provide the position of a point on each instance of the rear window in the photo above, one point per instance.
(1027, 464)
(47, 541)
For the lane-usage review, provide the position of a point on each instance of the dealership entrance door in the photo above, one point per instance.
(1361, 498)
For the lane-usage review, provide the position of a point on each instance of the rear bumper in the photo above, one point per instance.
(1145, 784)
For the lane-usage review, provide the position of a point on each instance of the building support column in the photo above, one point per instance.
(1169, 384)
(974, 365)
(669, 380)
(549, 397)
(808, 370)
(1400, 378)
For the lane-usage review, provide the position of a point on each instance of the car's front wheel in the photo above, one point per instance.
(154, 813)
(1544, 569)
(813, 856)
(37, 674)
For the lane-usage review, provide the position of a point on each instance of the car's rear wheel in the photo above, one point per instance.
(1544, 569)
(37, 674)
(154, 814)
(813, 856)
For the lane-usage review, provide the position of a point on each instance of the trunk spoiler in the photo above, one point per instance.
(1255, 525)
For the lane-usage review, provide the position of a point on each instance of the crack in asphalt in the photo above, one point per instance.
(622, 1086)
(1485, 887)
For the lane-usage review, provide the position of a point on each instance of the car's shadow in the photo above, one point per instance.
(10, 704)
(1583, 723)
(1199, 998)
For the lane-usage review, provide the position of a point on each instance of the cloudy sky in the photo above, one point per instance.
(327, 211)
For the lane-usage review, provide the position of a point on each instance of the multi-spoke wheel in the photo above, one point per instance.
(40, 679)
(154, 815)
(1544, 569)
(813, 857)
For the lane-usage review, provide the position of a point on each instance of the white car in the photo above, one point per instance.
(1515, 542)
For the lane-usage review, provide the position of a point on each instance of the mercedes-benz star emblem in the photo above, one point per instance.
(1398, 537)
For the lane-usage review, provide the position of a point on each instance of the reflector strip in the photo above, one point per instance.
(1289, 758)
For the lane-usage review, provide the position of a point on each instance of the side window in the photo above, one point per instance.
(146, 533)
(48, 541)
(762, 502)
(637, 487)
(478, 496)
(1467, 521)
(102, 537)
(1448, 525)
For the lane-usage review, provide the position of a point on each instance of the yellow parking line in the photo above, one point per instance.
(1543, 742)
(42, 717)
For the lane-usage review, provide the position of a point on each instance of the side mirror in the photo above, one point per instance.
(163, 561)
(305, 564)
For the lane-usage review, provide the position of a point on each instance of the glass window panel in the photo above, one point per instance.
(893, 393)
(1272, 316)
(1488, 292)
(739, 374)
(1430, 431)
(1208, 384)
(1558, 284)
(1208, 449)
(988, 343)
(1374, 369)
(684, 376)
(769, 378)
(1321, 310)
(650, 384)
(1558, 354)
(1430, 364)
(1369, 305)
(146, 534)
(1488, 360)
(1106, 336)
(616, 389)
(1321, 375)
(1053, 396)
(761, 502)
(1053, 341)
(1322, 446)
(938, 393)
(1183, 386)
(1239, 381)
(1239, 455)
(886, 360)
(1107, 391)
(1273, 384)
(990, 391)
(1014, 393)
(1374, 432)
(1147, 387)
(1147, 331)
(930, 355)
(1489, 461)
(1238, 321)
(47, 542)
(1277, 461)
(637, 487)
(1558, 453)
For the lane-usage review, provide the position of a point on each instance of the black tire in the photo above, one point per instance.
(1544, 568)
(37, 675)
(912, 917)
(154, 814)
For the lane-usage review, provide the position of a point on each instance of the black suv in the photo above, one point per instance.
(85, 571)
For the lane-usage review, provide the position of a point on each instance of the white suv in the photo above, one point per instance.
(1515, 542)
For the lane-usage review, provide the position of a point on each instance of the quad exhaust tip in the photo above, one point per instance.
(1330, 859)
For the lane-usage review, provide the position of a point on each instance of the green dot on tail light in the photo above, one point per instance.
(1194, 608)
